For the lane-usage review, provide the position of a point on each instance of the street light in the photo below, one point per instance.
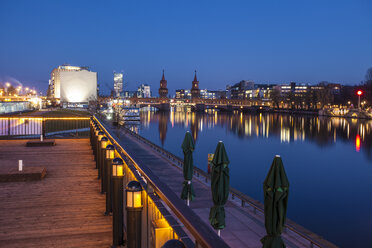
(134, 214)
(110, 155)
(100, 134)
(104, 142)
(117, 202)
(359, 93)
(134, 195)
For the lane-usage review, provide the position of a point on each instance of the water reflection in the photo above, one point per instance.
(323, 131)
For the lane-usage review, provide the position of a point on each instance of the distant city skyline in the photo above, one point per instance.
(226, 42)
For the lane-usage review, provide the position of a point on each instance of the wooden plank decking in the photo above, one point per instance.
(65, 209)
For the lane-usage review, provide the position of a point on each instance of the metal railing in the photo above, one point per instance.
(33, 127)
(164, 202)
(244, 200)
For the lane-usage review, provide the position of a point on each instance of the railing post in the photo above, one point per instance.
(90, 130)
(110, 153)
(98, 151)
(103, 143)
(117, 202)
(43, 127)
(134, 208)
(8, 126)
(94, 140)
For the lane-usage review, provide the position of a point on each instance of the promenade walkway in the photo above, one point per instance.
(243, 227)
(65, 209)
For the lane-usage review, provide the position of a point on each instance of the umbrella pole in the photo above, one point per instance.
(188, 195)
(219, 232)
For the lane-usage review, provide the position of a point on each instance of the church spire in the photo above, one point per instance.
(195, 91)
(163, 90)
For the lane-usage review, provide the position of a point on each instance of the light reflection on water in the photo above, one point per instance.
(328, 162)
(321, 130)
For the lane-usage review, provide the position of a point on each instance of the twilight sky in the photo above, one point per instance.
(266, 41)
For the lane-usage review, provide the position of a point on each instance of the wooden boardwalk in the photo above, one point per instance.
(65, 209)
(243, 227)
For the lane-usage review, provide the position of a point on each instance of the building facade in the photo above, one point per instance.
(73, 84)
(183, 94)
(238, 90)
(118, 84)
(195, 91)
(144, 91)
(163, 90)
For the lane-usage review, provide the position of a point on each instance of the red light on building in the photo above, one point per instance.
(357, 143)
(359, 92)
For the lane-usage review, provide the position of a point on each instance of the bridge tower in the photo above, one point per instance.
(163, 90)
(195, 91)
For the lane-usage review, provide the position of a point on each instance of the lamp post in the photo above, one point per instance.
(98, 151)
(104, 142)
(107, 174)
(134, 207)
(117, 202)
(91, 126)
(359, 93)
(95, 138)
(92, 130)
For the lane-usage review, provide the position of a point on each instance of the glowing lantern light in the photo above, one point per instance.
(117, 167)
(134, 195)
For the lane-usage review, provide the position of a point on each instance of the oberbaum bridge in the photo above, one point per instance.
(198, 104)
(84, 182)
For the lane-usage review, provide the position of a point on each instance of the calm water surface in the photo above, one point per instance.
(328, 162)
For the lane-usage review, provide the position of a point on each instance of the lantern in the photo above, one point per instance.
(100, 135)
(110, 152)
(104, 141)
(134, 195)
(117, 167)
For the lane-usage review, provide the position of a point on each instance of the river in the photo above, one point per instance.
(328, 162)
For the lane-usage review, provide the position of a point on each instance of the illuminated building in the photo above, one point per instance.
(183, 94)
(195, 91)
(73, 84)
(163, 90)
(118, 84)
(238, 90)
(144, 91)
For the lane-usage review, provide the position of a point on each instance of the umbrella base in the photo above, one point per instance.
(272, 242)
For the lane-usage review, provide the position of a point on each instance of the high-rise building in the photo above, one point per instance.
(195, 91)
(144, 91)
(73, 84)
(183, 94)
(163, 90)
(118, 84)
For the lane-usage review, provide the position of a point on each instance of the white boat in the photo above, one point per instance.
(129, 114)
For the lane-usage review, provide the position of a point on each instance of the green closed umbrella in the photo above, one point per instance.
(219, 186)
(276, 187)
(188, 166)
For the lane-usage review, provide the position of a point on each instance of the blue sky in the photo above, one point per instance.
(225, 41)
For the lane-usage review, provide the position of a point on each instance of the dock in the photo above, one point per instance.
(64, 209)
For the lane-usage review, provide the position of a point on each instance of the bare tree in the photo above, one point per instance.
(369, 76)
(275, 96)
